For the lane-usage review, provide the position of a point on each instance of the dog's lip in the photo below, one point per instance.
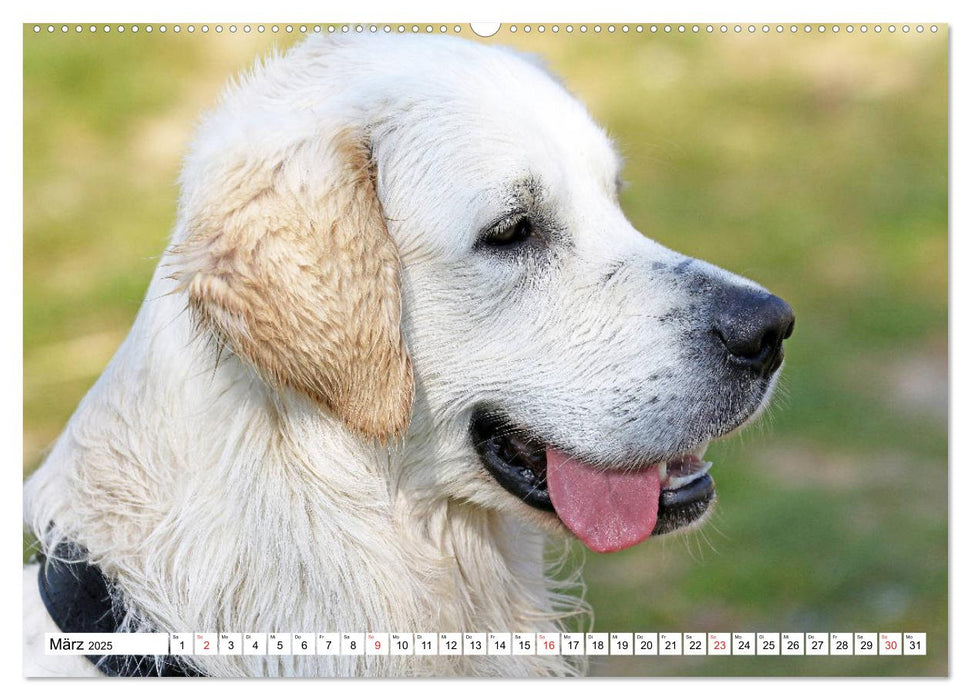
(516, 459)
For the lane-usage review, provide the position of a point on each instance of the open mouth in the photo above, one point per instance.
(609, 509)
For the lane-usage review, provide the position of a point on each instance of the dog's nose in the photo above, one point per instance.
(751, 325)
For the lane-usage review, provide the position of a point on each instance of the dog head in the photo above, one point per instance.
(363, 196)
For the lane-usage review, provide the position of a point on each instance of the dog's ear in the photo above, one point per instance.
(288, 262)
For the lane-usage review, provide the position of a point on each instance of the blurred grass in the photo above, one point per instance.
(815, 164)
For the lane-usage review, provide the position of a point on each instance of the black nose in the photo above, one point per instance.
(752, 324)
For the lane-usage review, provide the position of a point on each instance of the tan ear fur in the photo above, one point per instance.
(289, 263)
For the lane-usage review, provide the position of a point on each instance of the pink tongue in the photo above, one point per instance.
(608, 509)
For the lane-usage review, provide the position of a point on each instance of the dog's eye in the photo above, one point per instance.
(508, 233)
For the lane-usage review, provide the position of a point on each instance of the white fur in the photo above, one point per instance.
(219, 503)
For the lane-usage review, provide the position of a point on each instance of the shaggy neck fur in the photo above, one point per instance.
(217, 505)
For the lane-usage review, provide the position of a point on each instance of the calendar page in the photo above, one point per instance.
(435, 349)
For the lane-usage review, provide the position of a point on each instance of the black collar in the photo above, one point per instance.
(77, 596)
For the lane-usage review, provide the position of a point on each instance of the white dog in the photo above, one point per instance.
(403, 335)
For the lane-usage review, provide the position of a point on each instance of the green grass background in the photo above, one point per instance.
(813, 163)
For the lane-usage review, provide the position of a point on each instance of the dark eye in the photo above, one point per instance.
(508, 233)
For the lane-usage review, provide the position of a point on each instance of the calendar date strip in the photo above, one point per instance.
(491, 644)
